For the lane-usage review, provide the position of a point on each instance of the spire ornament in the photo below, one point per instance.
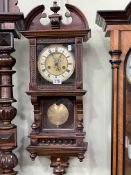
(55, 18)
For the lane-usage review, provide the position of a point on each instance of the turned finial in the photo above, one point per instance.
(55, 18)
(55, 8)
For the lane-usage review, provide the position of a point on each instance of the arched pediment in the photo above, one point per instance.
(128, 10)
(78, 23)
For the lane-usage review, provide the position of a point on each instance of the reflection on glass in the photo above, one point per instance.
(58, 114)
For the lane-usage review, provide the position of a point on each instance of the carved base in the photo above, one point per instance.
(59, 155)
(8, 161)
(59, 164)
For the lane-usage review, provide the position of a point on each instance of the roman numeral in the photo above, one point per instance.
(69, 63)
(67, 70)
(49, 51)
(62, 51)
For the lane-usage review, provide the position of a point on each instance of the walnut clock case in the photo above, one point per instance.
(56, 84)
(117, 25)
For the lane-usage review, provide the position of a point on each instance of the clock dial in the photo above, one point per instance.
(58, 114)
(128, 69)
(56, 62)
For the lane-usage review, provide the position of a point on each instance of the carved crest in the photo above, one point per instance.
(78, 23)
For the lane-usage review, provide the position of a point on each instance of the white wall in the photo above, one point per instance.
(97, 102)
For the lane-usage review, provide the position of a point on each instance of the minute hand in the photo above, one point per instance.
(58, 64)
(61, 54)
(55, 59)
(53, 56)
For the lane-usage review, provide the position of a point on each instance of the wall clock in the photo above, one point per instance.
(56, 85)
(117, 25)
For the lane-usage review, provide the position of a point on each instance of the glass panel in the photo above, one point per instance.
(55, 106)
(56, 62)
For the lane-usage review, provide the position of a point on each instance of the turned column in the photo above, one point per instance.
(115, 61)
(11, 21)
(8, 160)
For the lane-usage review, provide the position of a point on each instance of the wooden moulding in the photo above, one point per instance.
(57, 93)
(119, 17)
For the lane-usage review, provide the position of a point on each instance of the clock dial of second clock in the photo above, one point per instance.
(128, 69)
(56, 62)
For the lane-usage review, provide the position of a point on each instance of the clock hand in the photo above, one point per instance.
(53, 57)
(56, 62)
(57, 65)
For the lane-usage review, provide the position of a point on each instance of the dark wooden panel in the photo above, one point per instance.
(7, 138)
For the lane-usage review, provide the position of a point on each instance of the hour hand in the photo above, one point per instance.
(57, 64)
(58, 68)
